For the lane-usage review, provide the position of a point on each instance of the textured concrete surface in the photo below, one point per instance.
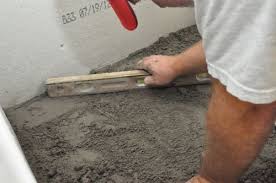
(148, 136)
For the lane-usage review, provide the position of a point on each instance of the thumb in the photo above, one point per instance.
(149, 80)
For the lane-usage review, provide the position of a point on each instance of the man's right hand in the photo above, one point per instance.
(161, 68)
(165, 69)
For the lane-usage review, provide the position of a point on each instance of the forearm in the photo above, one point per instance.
(191, 61)
(170, 3)
(174, 3)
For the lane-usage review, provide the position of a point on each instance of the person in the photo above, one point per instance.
(238, 49)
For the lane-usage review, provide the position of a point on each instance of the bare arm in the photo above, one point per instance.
(170, 3)
(191, 61)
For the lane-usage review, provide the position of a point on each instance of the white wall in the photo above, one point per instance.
(35, 44)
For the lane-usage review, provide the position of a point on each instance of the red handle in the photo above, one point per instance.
(125, 13)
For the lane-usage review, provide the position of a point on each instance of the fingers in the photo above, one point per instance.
(161, 3)
(173, 3)
(134, 1)
(150, 81)
(147, 63)
(139, 65)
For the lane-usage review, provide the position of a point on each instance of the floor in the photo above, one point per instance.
(143, 136)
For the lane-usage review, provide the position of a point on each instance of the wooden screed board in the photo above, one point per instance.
(111, 82)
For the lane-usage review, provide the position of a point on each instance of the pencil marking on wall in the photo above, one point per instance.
(85, 11)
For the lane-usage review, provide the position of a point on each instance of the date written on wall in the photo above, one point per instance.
(85, 11)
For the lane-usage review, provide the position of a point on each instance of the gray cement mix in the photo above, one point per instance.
(146, 136)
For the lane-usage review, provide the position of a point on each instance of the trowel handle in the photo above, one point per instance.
(125, 13)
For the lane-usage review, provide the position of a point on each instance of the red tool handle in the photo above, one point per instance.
(125, 13)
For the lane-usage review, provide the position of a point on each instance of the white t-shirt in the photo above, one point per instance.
(239, 39)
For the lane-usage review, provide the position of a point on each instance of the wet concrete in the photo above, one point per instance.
(146, 136)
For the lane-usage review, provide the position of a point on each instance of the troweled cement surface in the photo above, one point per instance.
(146, 136)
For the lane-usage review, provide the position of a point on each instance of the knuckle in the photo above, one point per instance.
(147, 62)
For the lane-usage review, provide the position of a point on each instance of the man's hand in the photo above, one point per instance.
(161, 69)
(169, 3)
(134, 1)
(165, 69)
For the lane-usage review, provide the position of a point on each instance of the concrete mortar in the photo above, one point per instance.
(148, 136)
